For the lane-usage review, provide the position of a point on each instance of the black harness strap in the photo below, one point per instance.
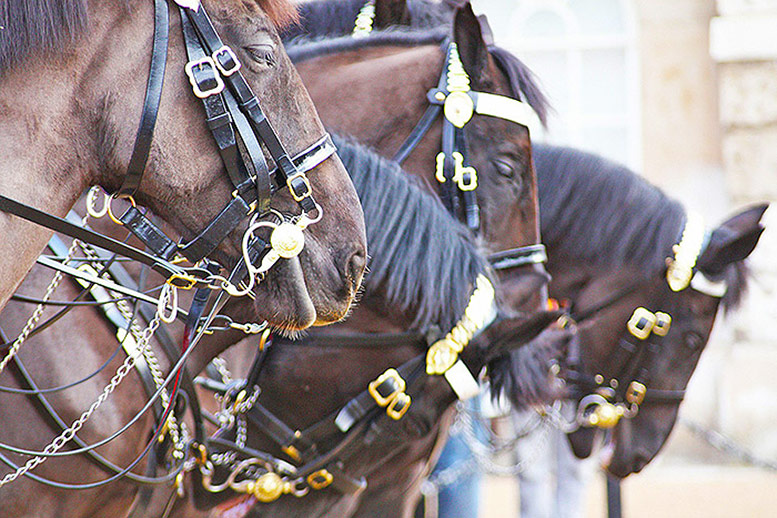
(57, 224)
(418, 133)
(156, 78)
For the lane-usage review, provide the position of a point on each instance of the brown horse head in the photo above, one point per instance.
(636, 441)
(376, 89)
(75, 92)
(611, 237)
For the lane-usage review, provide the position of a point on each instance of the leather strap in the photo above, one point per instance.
(419, 131)
(521, 256)
(156, 78)
(62, 226)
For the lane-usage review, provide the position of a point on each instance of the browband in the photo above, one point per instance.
(505, 108)
(521, 256)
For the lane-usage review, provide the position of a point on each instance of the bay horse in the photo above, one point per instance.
(411, 286)
(411, 289)
(572, 272)
(72, 77)
(376, 90)
(612, 237)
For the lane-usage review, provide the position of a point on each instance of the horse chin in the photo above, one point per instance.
(623, 459)
(283, 300)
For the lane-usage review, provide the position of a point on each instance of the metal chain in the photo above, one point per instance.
(228, 458)
(483, 453)
(221, 366)
(727, 445)
(68, 434)
(35, 317)
(178, 433)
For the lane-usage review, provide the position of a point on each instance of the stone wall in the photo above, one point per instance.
(735, 387)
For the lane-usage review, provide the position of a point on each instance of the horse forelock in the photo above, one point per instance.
(283, 13)
(423, 262)
(523, 82)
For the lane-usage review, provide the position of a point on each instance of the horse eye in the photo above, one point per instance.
(262, 54)
(693, 341)
(504, 167)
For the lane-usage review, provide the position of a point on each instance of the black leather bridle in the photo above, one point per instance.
(603, 401)
(240, 128)
(457, 179)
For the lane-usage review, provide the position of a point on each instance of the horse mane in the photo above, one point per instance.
(311, 46)
(42, 25)
(423, 262)
(337, 17)
(325, 17)
(523, 82)
(29, 25)
(577, 188)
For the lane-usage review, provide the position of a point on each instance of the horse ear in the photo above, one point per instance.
(733, 240)
(391, 12)
(485, 29)
(469, 39)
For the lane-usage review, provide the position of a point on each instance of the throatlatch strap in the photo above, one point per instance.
(156, 78)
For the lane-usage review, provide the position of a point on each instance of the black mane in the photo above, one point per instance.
(422, 262)
(329, 17)
(337, 17)
(603, 214)
(32, 25)
(316, 45)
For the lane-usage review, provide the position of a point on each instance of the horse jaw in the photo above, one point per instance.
(285, 301)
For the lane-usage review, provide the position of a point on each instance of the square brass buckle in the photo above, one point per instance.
(230, 54)
(663, 323)
(201, 64)
(635, 394)
(641, 323)
(398, 406)
(306, 183)
(398, 386)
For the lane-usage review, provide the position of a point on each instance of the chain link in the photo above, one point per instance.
(35, 317)
(70, 432)
(727, 445)
(178, 433)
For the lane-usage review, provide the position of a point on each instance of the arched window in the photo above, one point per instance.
(585, 54)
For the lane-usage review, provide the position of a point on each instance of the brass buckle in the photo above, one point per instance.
(663, 323)
(320, 479)
(635, 394)
(308, 189)
(292, 452)
(641, 323)
(373, 387)
(191, 282)
(439, 172)
(460, 170)
(231, 53)
(200, 63)
(401, 399)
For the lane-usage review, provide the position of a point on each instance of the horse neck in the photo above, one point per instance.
(48, 137)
